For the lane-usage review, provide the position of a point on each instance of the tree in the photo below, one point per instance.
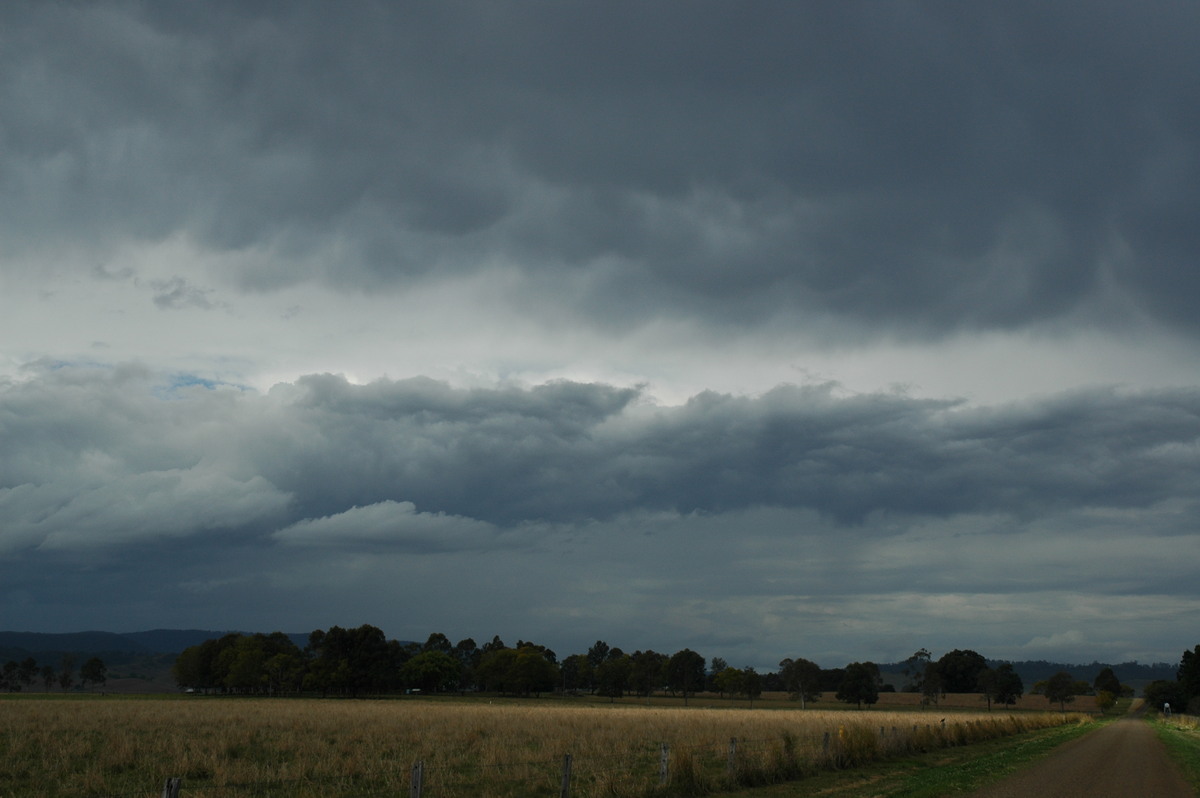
(612, 677)
(1188, 674)
(431, 671)
(801, 678)
(648, 673)
(493, 671)
(728, 681)
(1107, 681)
(66, 672)
(576, 673)
(716, 665)
(48, 676)
(960, 669)
(860, 684)
(1061, 689)
(751, 684)
(438, 642)
(931, 684)
(94, 671)
(10, 679)
(915, 668)
(1002, 685)
(597, 653)
(1161, 692)
(27, 671)
(533, 671)
(685, 673)
(467, 653)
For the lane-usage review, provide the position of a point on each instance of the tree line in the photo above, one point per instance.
(362, 661)
(1182, 694)
(17, 676)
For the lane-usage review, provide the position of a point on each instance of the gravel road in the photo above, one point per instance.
(1121, 760)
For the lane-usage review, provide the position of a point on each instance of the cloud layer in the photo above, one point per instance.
(771, 330)
(796, 498)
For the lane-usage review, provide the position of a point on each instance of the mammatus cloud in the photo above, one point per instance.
(887, 168)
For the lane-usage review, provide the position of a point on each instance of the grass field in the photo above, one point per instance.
(98, 746)
(1181, 734)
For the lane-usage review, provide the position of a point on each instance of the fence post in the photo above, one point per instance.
(826, 743)
(664, 759)
(418, 778)
(565, 791)
(731, 767)
(171, 788)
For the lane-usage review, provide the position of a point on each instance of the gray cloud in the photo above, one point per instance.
(917, 168)
(570, 453)
(977, 201)
(727, 520)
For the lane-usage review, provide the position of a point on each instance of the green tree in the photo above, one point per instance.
(685, 673)
(354, 661)
(66, 672)
(48, 675)
(1107, 681)
(94, 671)
(960, 669)
(1001, 685)
(931, 684)
(648, 673)
(431, 671)
(1188, 674)
(860, 684)
(728, 681)
(751, 684)
(612, 677)
(1060, 688)
(27, 671)
(492, 674)
(801, 678)
(576, 673)
(10, 678)
(533, 671)
(915, 668)
(1162, 692)
(716, 665)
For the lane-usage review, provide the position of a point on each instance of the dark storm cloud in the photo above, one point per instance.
(915, 167)
(97, 457)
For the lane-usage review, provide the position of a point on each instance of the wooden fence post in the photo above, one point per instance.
(664, 759)
(171, 788)
(731, 765)
(565, 791)
(418, 778)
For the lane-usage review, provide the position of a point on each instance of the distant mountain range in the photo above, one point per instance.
(155, 641)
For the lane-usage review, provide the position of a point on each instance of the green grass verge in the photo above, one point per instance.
(1183, 744)
(952, 771)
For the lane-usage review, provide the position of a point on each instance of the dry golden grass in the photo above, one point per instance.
(241, 747)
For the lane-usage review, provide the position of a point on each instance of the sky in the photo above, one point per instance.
(766, 329)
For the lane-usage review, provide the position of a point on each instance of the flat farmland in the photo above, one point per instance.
(109, 746)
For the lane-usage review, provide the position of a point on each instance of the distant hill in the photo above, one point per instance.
(155, 641)
(138, 662)
(1134, 674)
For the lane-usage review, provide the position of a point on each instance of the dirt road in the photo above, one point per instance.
(1121, 760)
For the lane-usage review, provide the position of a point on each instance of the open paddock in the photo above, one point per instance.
(309, 747)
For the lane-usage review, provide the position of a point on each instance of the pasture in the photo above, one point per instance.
(110, 746)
